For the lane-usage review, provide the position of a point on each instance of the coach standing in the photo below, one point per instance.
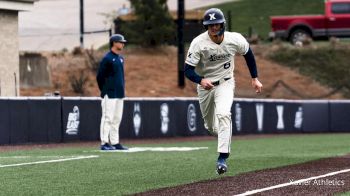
(110, 79)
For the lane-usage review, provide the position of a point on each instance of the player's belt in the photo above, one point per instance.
(220, 81)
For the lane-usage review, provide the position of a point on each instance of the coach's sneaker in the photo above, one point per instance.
(221, 166)
(107, 147)
(120, 147)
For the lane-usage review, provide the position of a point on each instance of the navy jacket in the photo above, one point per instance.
(110, 76)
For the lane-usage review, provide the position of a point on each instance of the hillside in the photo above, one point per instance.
(153, 73)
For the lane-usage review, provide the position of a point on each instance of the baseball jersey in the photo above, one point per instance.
(110, 76)
(216, 61)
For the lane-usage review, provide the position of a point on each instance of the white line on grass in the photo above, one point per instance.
(293, 182)
(156, 149)
(50, 161)
(28, 157)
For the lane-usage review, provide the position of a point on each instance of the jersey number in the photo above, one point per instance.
(227, 65)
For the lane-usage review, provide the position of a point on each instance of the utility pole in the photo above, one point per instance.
(81, 23)
(180, 42)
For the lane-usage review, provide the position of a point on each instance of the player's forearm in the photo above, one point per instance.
(101, 74)
(100, 80)
(250, 60)
(191, 74)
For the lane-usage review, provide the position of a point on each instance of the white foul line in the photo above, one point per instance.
(154, 149)
(291, 183)
(161, 149)
(50, 161)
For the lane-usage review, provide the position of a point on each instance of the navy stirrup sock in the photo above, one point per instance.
(224, 155)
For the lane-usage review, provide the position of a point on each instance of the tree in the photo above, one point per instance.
(153, 25)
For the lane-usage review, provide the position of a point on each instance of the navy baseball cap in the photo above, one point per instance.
(117, 38)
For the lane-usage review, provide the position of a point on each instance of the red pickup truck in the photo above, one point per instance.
(335, 23)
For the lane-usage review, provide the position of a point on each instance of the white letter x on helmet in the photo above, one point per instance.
(212, 16)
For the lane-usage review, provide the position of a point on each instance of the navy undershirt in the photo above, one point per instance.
(250, 60)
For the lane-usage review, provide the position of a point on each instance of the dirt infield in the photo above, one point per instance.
(256, 180)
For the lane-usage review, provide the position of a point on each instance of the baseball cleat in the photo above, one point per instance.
(107, 147)
(120, 147)
(221, 166)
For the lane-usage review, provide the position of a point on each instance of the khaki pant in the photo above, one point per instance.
(216, 106)
(112, 112)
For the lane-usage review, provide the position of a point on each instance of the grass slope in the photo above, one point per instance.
(256, 13)
(126, 173)
(327, 65)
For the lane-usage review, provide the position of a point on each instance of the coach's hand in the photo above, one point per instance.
(206, 84)
(257, 85)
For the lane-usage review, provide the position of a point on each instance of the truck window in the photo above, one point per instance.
(341, 8)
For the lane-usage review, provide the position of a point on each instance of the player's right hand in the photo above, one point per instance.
(206, 84)
(257, 85)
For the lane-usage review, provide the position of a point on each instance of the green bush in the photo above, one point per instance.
(153, 25)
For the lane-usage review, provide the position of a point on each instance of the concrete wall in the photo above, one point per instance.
(9, 46)
(34, 70)
(9, 59)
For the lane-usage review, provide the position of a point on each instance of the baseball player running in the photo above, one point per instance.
(210, 64)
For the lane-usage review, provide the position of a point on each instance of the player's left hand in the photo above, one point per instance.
(257, 85)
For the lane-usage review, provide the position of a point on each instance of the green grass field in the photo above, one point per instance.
(117, 173)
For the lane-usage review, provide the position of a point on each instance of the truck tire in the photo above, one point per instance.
(299, 35)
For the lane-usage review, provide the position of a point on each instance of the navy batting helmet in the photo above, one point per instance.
(116, 38)
(214, 16)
